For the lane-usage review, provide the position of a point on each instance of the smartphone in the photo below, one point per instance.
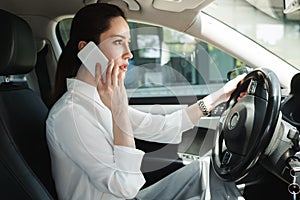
(90, 55)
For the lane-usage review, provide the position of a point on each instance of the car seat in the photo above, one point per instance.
(290, 106)
(25, 168)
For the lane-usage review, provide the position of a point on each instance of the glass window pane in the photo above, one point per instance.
(168, 63)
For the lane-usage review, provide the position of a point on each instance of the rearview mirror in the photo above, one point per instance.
(291, 6)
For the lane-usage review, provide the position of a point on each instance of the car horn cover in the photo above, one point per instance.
(247, 125)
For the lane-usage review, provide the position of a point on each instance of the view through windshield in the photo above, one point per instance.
(263, 22)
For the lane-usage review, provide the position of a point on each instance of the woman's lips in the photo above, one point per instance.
(123, 67)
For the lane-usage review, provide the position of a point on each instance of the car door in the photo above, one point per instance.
(171, 70)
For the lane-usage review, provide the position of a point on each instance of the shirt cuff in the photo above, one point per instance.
(186, 121)
(128, 159)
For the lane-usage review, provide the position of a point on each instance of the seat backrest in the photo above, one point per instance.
(25, 168)
(290, 105)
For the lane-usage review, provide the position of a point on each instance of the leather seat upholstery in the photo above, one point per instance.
(25, 168)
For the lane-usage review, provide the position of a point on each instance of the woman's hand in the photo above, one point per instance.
(223, 94)
(212, 100)
(113, 94)
(231, 85)
(112, 91)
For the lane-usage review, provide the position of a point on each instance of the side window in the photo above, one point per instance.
(168, 63)
(63, 31)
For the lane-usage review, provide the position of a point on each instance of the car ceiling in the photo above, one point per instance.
(165, 11)
(46, 8)
(55, 8)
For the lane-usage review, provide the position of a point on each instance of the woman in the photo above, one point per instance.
(91, 128)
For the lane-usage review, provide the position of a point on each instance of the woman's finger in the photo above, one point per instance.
(108, 73)
(114, 76)
(98, 75)
(121, 77)
(232, 84)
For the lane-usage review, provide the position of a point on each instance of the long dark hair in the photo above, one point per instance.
(87, 25)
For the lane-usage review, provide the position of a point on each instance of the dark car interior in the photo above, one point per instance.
(24, 157)
(290, 104)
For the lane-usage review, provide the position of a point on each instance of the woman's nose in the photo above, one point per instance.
(127, 53)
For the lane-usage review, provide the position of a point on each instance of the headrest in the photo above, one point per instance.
(17, 51)
(295, 84)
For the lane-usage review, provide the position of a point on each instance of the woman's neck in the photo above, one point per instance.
(84, 75)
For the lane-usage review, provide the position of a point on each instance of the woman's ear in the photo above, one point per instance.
(81, 44)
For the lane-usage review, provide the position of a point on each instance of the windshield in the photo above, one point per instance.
(263, 22)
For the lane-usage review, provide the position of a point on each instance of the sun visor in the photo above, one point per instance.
(179, 5)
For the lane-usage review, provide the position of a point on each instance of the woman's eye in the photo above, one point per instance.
(118, 42)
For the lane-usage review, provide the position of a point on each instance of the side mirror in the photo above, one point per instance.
(238, 71)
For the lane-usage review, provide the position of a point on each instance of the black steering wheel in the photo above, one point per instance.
(247, 125)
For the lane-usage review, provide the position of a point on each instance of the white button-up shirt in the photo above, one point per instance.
(86, 165)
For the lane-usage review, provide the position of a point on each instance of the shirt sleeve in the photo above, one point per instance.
(160, 128)
(89, 145)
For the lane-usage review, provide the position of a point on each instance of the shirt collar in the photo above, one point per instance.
(83, 88)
